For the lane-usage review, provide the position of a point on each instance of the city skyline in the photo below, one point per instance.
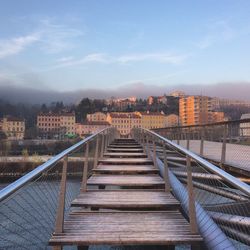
(105, 47)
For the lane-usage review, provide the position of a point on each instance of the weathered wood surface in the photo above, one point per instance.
(127, 199)
(126, 180)
(125, 228)
(126, 154)
(126, 169)
(125, 161)
(124, 146)
(110, 149)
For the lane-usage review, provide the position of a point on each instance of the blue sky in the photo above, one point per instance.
(70, 45)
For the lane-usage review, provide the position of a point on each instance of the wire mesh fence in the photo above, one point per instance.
(225, 143)
(222, 209)
(28, 215)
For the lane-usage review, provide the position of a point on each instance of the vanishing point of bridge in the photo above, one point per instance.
(141, 191)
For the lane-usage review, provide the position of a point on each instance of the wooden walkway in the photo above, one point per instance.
(128, 207)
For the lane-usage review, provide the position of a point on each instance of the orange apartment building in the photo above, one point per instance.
(195, 110)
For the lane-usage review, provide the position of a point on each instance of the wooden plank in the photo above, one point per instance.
(125, 161)
(125, 146)
(127, 200)
(126, 154)
(126, 180)
(125, 228)
(125, 169)
(110, 149)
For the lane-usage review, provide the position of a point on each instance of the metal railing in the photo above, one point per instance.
(217, 194)
(34, 206)
(224, 143)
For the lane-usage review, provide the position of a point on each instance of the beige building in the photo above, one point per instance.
(171, 120)
(53, 125)
(13, 127)
(97, 117)
(245, 127)
(177, 93)
(90, 127)
(218, 117)
(124, 122)
(195, 110)
(150, 120)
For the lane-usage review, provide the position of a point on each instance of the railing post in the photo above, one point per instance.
(178, 136)
(154, 152)
(166, 176)
(102, 145)
(202, 141)
(96, 152)
(223, 149)
(191, 200)
(61, 200)
(188, 139)
(147, 146)
(85, 169)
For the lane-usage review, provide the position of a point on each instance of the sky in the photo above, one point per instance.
(109, 45)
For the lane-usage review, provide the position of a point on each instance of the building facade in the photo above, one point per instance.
(14, 128)
(171, 120)
(56, 126)
(124, 122)
(97, 117)
(195, 110)
(150, 120)
(245, 127)
(90, 127)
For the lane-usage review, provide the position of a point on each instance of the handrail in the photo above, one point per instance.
(209, 166)
(13, 187)
(247, 120)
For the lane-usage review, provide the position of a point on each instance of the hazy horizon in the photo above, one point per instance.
(29, 94)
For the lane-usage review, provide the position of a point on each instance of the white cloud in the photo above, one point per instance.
(219, 31)
(155, 57)
(57, 38)
(16, 45)
(90, 58)
(123, 59)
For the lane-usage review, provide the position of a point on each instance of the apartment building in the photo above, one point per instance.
(90, 127)
(13, 127)
(157, 99)
(53, 125)
(195, 110)
(124, 122)
(97, 117)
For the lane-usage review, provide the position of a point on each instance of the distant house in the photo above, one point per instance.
(13, 127)
(90, 127)
(245, 127)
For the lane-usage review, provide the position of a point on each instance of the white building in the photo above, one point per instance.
(245, 127)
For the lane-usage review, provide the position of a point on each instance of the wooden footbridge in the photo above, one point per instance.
(146, 191)
(124, 202)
